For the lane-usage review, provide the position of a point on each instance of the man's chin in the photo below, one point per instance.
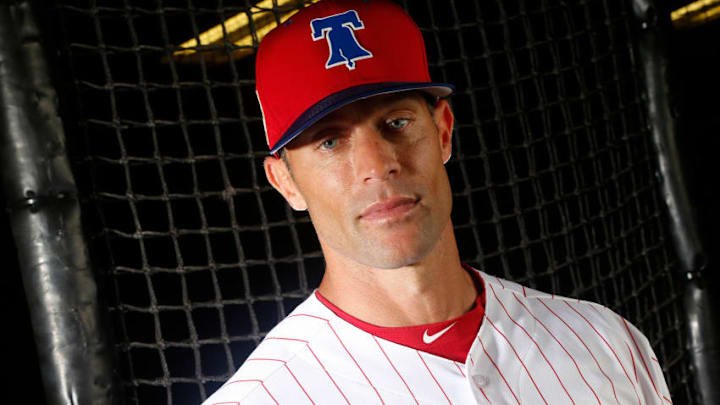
(393, 256)
(389, 264)
(398, 246)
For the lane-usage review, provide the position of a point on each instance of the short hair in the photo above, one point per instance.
(284, 157)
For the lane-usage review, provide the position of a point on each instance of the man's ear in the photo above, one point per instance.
(444, 120)
(278, 174)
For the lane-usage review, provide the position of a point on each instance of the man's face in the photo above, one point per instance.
(372, 177)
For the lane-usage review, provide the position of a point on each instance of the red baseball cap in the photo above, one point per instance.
(332, 53)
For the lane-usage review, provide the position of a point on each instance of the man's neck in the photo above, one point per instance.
(436, 289)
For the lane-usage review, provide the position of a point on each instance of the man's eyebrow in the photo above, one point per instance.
(403, 100)
(320, 129)
(404, 95)
(389, 103)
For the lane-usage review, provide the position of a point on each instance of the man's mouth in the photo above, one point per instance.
(388, 209)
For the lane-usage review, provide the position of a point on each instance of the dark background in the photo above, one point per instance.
(694, 81)
(694, 73)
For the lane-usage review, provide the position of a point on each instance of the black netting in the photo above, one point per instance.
(553, 173)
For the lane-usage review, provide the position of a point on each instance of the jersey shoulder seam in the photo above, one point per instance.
(292, 354)
(260, 383)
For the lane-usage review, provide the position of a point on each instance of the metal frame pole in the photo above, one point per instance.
(68, 322)
(703, 328)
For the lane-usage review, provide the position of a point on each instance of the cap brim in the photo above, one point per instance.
(347, 96)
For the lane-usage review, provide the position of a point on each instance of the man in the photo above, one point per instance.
(360, 136)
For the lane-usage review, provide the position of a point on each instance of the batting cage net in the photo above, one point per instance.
(553, 172)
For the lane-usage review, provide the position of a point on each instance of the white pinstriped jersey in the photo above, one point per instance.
(532, 348)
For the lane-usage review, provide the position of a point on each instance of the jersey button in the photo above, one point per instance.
(480, 381)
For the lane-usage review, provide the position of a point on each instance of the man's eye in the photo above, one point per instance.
(398, 123)
(329, 143)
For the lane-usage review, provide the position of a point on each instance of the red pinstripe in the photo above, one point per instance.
(346, 350)
(519, 359)
(356, 363)
(261, 384)
(524, 292)
(433, 377)
(632, 358)
(459, 369)
(642, 359)
(612, 385)
(561, 345)
(482, 391)
(309, 316)
(328, 374)
(298, 383)
(396, 371)
(536, 344)
(289, 371)
(597, 310)
(667, 399)
(500, 282)
(608, 345)
(498, 370)
(284, 338)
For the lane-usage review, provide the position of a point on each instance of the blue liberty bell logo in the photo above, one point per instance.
(338, 30)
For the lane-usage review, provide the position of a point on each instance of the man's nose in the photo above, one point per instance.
(374, 156)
